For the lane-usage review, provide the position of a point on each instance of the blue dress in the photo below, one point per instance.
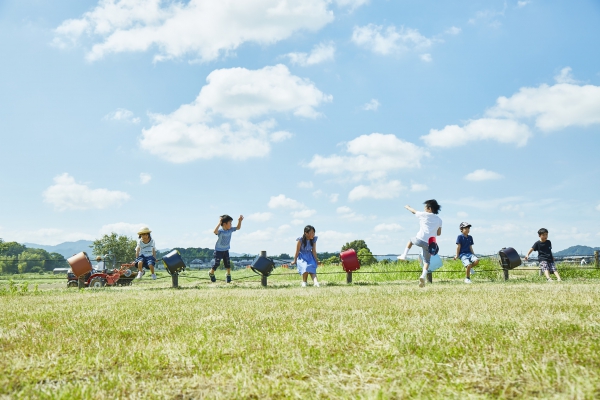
(306, 260)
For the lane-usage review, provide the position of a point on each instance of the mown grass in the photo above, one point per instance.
(384, 338)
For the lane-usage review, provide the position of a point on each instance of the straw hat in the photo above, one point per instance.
(144, 229)
(98, 258)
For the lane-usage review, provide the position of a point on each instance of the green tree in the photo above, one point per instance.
(365, 257)
(357, 245)
(32, 260)
(332, 260)
(121, 246)
(11, 249)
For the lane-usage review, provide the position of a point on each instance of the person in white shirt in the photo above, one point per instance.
(430, 226)
(145, 252)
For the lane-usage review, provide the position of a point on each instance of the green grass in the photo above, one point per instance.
(379, 338)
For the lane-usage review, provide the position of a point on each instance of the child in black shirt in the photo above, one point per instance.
(545, 257)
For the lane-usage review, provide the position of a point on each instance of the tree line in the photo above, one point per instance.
(16, 258)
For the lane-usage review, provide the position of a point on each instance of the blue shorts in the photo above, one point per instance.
(221, 255)
(146, 261)
(468, 258)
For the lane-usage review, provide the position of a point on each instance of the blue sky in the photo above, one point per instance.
(336, 113)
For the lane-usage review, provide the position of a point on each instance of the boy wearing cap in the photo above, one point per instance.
(545, 256)
(430, 225)
(464, 249)
(145, 252)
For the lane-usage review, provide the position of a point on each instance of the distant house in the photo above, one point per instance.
(199, 264)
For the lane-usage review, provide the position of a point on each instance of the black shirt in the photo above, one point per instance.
(544, 250)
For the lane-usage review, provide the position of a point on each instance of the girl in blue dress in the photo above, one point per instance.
(306, 255)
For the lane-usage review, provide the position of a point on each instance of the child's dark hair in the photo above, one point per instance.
(542, 231)
(433, 204)
(149, 236)
(307, 229)
(225, 219)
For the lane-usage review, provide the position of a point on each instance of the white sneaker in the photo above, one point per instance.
(467, 280)
(473, 271)
(402, 257)
(317, 284)
(154, 276)
(303, 284)
(421, 282)
(139, 275)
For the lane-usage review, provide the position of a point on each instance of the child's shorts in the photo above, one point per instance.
(146, 261)
(221, 255)
(424, 246)
(548, 266)
(468, 258)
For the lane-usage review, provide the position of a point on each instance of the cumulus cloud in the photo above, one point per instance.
(320, 53)
(377, 190)
(260, 217)
(390, 40)
(426, 57)
(46, 236)
(281, 201)
(66, 194)
(462, 214)
(522, 3)
(347, 213)
(122, 114)
(353, 4)
(387, 228)
(199, 28)
(122, 228)
(145, 178)
(453, 30)
(501, 130)
(482, 175)
(598, 207)
(372, 105)
(548, 108)
(552, 107)
(418, 187)
(235, 97)
(371, 156)
(303, 214)
(305, 185)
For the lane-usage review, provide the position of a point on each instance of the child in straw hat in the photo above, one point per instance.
(145, 252)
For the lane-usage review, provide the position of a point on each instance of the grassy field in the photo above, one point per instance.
(382, 337)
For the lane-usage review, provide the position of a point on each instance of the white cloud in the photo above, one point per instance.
(521, 3)
(553, 107)
(378, 190)
(305, 185)
(122, 228)
(303, 214)
(296, 222)
(501, 130)
(598, 207)
(236, 97)
(145, 178)
(280, 136)
(372, 105)
(418, 187)
(66, 194)
(320, 53)
(426, 57)
(462, 214)
(203, 29)
(46, 236)
(334, 197)
(387, 228)
(390, 40)
(482, 175)
(353, 4)
(281, 201)
(122, 114)
(453, 30)
(371, 155)
(334, 239)
(260, 217)
(346, 212)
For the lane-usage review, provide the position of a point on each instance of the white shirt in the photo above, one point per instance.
(145, 248)
(428, 224)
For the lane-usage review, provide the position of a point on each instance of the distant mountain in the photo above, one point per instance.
(66, 249)
(577, 251)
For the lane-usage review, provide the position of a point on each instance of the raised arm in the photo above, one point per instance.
(218, 225)
(239, 225)
(409, 208)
